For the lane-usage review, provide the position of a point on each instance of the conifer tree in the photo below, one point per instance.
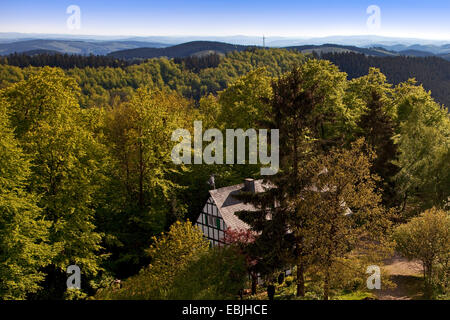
(378, 131)
(305, 105)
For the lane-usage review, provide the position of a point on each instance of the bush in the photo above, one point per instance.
(218, 274)
(74, 294)
(427, 238)
(288, 281)
(171, 254)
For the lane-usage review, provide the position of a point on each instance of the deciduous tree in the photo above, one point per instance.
(24, 234)
(65, 168)
(427, 238)
(345, 212)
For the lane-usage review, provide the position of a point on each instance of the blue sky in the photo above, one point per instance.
(399, 18)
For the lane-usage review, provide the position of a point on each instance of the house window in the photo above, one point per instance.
(206, 219)
(218, 223)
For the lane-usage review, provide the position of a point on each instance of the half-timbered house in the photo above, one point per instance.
(218, 214)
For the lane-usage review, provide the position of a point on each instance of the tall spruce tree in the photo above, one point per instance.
(378, 131)
(307, 108)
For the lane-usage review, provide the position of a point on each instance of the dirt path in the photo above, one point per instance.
(407, 276)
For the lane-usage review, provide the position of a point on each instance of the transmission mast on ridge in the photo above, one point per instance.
(264, 41)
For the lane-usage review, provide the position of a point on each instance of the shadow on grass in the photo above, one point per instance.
(407, 288)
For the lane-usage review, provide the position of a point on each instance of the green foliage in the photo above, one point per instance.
(307, 107)
(217, 275)
(144, 178)
(345, 213)
(423, 140)
(432, 72)
(104, 86)
(427, 238)
(378, 130)
(138, 132)
(65, 166)
(248, 96)
(74, 294)
(43, 97)
(359, 95)
(24, 245)
(170, 254)
(80, 184)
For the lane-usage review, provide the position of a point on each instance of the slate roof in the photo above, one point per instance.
(228, 205)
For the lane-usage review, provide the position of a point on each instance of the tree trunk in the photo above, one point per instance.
(326, 285)
(141, 177)
(428, 274)
(404, 202)
(254, 283)
(300, 279)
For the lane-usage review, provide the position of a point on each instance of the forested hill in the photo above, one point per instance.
(335, 48)
(102, 82)
(42, 58)
(196, 73)
(201, 48)
(432, 72)
(73, 46)
(179, 51)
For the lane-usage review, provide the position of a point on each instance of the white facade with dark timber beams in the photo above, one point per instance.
(218, 214)
(211, 223)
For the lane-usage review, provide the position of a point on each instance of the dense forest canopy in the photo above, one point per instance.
(103, 85)
(210, 73)
(432, 72)
(87, 178)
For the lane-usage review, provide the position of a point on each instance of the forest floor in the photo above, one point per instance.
(407, 276)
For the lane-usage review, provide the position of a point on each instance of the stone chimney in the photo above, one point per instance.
(249, 185)
(212, 181)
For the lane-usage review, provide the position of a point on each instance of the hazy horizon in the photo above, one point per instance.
(126, 36)
(232, 18)
(352, 40)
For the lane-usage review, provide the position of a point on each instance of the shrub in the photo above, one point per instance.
(427, 238)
